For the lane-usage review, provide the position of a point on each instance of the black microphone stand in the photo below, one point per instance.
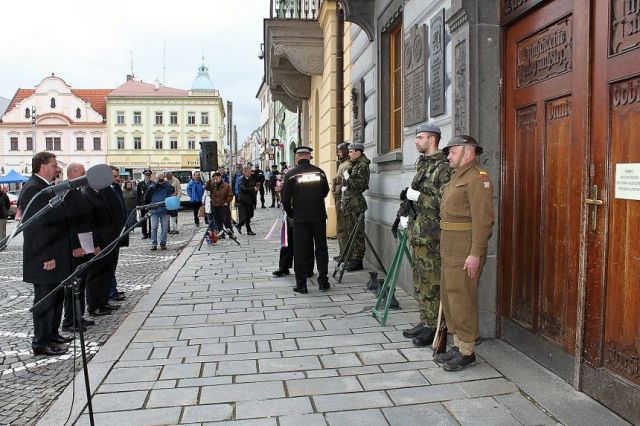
(74, 280)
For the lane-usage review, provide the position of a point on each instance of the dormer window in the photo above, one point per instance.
(53, 102)
(27, 113)
(78, 114)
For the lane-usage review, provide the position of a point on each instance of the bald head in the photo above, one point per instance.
(75, 170)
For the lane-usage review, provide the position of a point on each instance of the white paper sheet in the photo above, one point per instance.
(86, 242)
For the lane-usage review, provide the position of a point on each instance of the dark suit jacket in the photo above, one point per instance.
(45, 239)
(80, 220)
(100, 217)
(115, 201)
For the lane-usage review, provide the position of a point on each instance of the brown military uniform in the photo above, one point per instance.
(466, 222)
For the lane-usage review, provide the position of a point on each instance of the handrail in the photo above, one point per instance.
(295, 9)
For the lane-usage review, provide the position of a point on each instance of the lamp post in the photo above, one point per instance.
(33, 128)
(274, 144)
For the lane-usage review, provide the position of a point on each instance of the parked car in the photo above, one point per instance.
(13, 200)
(184, 176)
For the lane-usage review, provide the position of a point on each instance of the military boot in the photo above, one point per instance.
(410, 333)
(445, 356)
(459, 362)
(425, 338)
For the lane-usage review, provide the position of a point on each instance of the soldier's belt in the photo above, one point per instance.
(455, 226)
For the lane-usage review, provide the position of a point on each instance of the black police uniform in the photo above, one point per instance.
(303, 193)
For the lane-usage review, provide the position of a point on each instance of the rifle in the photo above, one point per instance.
(406, 209)
(440, 339)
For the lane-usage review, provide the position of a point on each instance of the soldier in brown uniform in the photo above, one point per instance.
(466, 213)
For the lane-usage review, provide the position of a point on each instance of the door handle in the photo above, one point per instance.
(594, 202)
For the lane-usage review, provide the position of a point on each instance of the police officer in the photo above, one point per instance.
(355, 182)
(141, 189)
(433, 172)
(258, 176)
(466, 213)
(343, 165)
(303, 193)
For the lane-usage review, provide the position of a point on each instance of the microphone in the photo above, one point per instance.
(97, 177)
(171, 203)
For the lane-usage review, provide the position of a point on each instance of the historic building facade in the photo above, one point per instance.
(54, 117)
(158, 127)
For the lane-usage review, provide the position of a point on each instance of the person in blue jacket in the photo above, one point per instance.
(195, 191)
(156, 192)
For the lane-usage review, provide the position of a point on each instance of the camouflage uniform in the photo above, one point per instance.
(342, 230)
(424, 232)
(354, 203)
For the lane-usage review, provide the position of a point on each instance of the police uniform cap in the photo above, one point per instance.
(147, 172)
(428, 128)
(302, 150)
(356, 145)
(343, 147)
(462, 140)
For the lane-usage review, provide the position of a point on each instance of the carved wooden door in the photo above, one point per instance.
(545, 149)
(612, 317)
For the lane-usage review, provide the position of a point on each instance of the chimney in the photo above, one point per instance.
(129, 77)
(157, 85)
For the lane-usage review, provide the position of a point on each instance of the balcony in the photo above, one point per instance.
(293, 44)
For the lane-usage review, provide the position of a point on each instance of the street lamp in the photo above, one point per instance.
(33, 127)
(274, 144)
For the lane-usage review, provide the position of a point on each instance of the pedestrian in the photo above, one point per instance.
(206, 203)
(157, 192)
(303, 193)
(140, 191)
(466, 213)
(195, 191)
(343, 166)
(235, 181)
(5, 205)
(267, 180)
(258, 176)
(221, 197)
(46, 255)
(247, 189)
(177, 191)
(355, 182)
(275, 196)
(433, 172)
(130, 196)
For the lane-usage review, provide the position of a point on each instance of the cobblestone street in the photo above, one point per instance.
(29, 384)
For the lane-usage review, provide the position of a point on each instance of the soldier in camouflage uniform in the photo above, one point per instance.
(343, 165)
(424, 231)
(356, 181)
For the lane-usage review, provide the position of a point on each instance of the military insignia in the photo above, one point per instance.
(482, 172)
(487, 184)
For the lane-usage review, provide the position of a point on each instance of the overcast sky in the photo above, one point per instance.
(88, 44)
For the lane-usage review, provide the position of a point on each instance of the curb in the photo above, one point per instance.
(102, 363)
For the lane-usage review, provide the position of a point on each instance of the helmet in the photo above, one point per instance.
(462, 140)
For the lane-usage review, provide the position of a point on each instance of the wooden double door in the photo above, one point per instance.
(570, 194)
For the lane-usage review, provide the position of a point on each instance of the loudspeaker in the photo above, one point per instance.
(208, 156)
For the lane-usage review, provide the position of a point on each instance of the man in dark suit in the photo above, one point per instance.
(46, 255)
(141, 189)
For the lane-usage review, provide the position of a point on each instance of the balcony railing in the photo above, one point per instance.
(295, 9)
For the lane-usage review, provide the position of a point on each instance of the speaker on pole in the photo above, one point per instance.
(208, 156)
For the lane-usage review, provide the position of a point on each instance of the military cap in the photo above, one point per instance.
(302, 150)
(147, 172)
(355, 145)
(428, 128)
(462, 140)
(343, 146)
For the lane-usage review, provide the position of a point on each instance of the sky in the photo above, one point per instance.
(90, 43)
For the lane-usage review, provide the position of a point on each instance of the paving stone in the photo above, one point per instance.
(206, 332)
(191, 319)
(136, 354)
(351, 401)
(185, 351)
(302, 419)
(280, 314)
(352, 371)
(282, 327)
(204, 381)
(408, 365)
(423, 394)
(341, 340)
(288, 364)
(230, 368)
(263, 346)
(323, 386)
(417, 354)
(427, 414)
(160, 353)
(252, 422)
(273, 407)
(127, 375)
(357, 418)
(523, 409)
(213, 349)
(156, 335)
(241, 392)
(204, 413)
(181, 371)
(396, 379)
(106, 402)
(340, 360)
(283, 345)
(267, 377)
(480, 411)
(241, 347)
(476, 372)
(321, 373)
(487, 387)
(148, 417)
(381, 357)
(233, 317)
(173, 397)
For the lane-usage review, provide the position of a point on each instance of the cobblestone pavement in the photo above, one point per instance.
(29, 384)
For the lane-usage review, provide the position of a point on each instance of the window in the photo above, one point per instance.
(174, 144)
(395, 88)
(120, 142)
(53, 102)
(137, 142)
(27, 113)
(29, 143)
(97, 144)
(78, 113)
(158, 117)
(53, 144)
(137, 117)
(158, 143)
(120, 117)
(191, 143)
(79, 144)
(191, 118)
(14, 144)
(204, 118)
(173, 118)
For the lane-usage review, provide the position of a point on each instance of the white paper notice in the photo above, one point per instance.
(627, 181)
(86, 242)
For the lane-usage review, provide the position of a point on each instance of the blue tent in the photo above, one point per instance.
(13, 177)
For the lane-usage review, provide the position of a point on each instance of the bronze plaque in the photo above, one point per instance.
(357, 111)
(625, 25)
(545, 54)
(511, 9)
(415, 76)
(436, 72)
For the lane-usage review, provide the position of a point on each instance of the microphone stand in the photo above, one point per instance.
(74, 281)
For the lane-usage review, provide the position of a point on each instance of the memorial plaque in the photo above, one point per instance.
(625, 26)
(511, 9)
(415, 76)
(357, 111)
(436, 71)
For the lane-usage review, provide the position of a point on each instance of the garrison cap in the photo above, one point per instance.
(428, 128)
(343, 146)
(355, 145)
(147, 172)
(462, 140)
(303, 150)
